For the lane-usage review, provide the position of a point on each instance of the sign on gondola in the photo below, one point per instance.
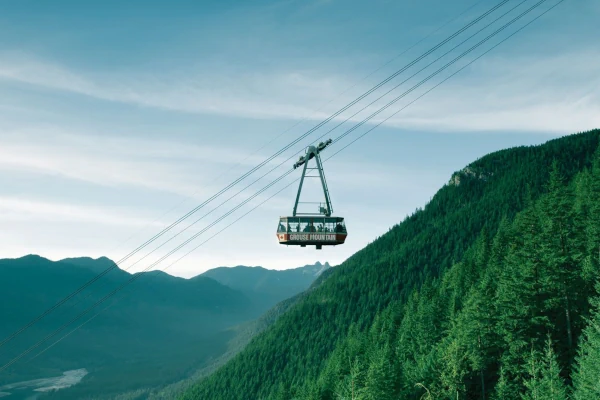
(313, 236)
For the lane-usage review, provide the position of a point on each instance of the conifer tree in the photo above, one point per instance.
(310, 391)
(560, 252)
(592, 262)
(520, 296)
(350, 387)
(476, 327)
(544, 381)
(586, 229)
(454, 369)
(283, 392)
(419, 331)
(586, 379)
(533, 383)
(503, 390)
(379, 382)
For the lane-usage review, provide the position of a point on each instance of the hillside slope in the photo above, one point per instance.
(517, 318)
(418, 251)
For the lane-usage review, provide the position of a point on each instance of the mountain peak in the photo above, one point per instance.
(96, 265)
(32, 257)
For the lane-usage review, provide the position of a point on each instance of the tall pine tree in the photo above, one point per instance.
(379, 383)
(562, 255)
(544, 381)
(586, 379)
(520, 298)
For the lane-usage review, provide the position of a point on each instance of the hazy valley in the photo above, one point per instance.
(156, 331)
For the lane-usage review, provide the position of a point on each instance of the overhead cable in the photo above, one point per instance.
(244, 176)
(284, 175)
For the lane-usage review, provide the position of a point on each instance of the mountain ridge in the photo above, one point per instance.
(96, 263)
(267, 287)
(194, 315)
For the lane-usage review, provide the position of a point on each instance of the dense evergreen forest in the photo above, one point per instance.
(489, 292)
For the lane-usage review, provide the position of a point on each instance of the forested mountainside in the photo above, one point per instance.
(483, 293)
(509, 321)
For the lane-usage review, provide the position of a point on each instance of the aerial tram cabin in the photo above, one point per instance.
(317, 231)
(312, 229)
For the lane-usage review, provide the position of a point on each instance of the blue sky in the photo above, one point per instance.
(116, 118)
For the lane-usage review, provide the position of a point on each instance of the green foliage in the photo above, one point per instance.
(586, 379)
(379, 382)
(458, 294)
(544, 381)
(503, 390)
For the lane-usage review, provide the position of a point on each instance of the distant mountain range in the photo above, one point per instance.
(160, 326)
(267, 287)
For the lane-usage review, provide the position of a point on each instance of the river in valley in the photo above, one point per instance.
(31, 390)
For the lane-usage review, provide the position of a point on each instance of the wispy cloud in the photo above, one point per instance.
(14, 209)
(255, 96)
(550, 94)
(156, 164)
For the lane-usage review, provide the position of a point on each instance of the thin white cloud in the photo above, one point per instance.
(545, 93)
(86, 166)
(15, 209)
(553, 94)
(155, 164)
(257, 96)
